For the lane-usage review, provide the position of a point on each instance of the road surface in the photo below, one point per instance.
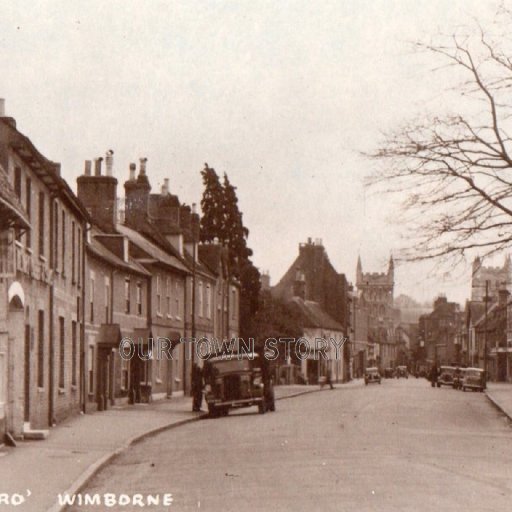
(401, 445)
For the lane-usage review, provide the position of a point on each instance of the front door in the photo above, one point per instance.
(103, 388)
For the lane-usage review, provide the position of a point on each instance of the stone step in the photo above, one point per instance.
(35, 435)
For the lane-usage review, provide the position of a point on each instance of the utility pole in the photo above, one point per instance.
(486, 299)
(194, 250)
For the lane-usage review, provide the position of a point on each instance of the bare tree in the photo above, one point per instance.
(455, 169)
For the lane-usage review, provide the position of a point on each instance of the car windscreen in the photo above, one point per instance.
(234, 365)
(472, 373)
(447, 370)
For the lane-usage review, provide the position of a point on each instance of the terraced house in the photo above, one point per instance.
(41, 291)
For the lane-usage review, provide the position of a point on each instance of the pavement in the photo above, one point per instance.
(397, 447)
(79, 447)
(500, 394)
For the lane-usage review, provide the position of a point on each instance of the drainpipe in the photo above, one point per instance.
(184, 350)
(83, 390)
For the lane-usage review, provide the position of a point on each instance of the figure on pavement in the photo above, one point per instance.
(197, 387)
(328, 378)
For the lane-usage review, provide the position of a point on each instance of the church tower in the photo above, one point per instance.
(391, 271)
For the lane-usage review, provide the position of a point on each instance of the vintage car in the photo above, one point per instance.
(458, 376)
(238, 380)
(389, 373)
(446, 374)
(372, 375)
(401, 371)
(475, 379)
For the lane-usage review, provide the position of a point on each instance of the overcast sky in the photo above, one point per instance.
(282, 96)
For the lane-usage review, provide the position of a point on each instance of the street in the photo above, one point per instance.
(401, 445)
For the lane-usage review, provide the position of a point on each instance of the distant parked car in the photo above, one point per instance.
(401, 371)
(458, 376)
(372, 375)
(475, 379)
(446, 374)
(389, 373)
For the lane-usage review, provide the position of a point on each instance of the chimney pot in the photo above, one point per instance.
(142, 171)
(2, 107)
(88, 167)
(109, 161)
(97, 166)
(165, 187)
(194, 208)
(133, 168)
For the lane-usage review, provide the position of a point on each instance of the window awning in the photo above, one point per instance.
(109, 335)
(175, 338)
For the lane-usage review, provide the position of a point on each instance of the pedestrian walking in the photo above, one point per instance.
(197, 387)
(433, 375)
(329, 378)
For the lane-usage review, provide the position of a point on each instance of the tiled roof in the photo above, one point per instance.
(48, 171)
(313, 315)
(200, 266)
(474, 310)
(211, 256)
(152, 249)
(97, 248)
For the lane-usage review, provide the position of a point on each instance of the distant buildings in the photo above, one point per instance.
(487, 336)
(377, 315)
(493, 278)
(481, 335)
(440, 331)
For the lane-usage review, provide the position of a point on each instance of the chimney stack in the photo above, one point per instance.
(137, 195)
(299, 285)
(133, 168)
(97, 166)
(265, 281)
(109, 161)
(99, 195)
(2, 107)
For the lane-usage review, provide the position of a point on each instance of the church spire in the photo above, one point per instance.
(359, 271)
(391, 269)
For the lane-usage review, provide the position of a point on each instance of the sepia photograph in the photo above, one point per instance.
(256, 255)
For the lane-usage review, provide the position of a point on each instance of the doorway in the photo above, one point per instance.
(104, 395)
